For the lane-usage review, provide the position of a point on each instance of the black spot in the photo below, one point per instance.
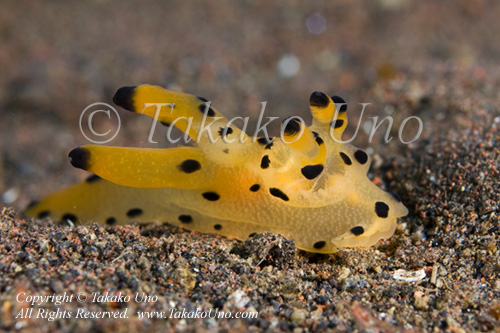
(346, 158)
(190, 166)
(319, 245)
(269, 145)
(312, 171)
(211, 196)
(164, 123)
(185, 218)
(252, 234)
(340, 100)
(210, 112)
(79, 158)
(225, 151)
(92, 178)
(361, 156)
(44, 214)
(319, 99)
(217, 227)
(203, 99)
(359, 230)
(264, 164)
(69, 216)
(32, 204)
(124, 97)
(277, 193)
(110, 221)
(292, 127)
(319, 141)
(134, 212)
(225, 131)
(255, 187)
(395, 196)
(337, 123)
(264, 141)
(381, 209)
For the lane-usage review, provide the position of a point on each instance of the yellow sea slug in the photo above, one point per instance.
(305, 184)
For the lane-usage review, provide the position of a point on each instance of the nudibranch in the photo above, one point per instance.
(306, 184)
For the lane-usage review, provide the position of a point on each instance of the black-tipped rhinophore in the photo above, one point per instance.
(79, 158)
(124, 98)
(292, 127)
(319, 99)
(340, 100)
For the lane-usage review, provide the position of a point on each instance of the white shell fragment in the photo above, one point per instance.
(404, 275)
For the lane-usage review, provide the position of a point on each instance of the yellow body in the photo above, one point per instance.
(304, 185)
